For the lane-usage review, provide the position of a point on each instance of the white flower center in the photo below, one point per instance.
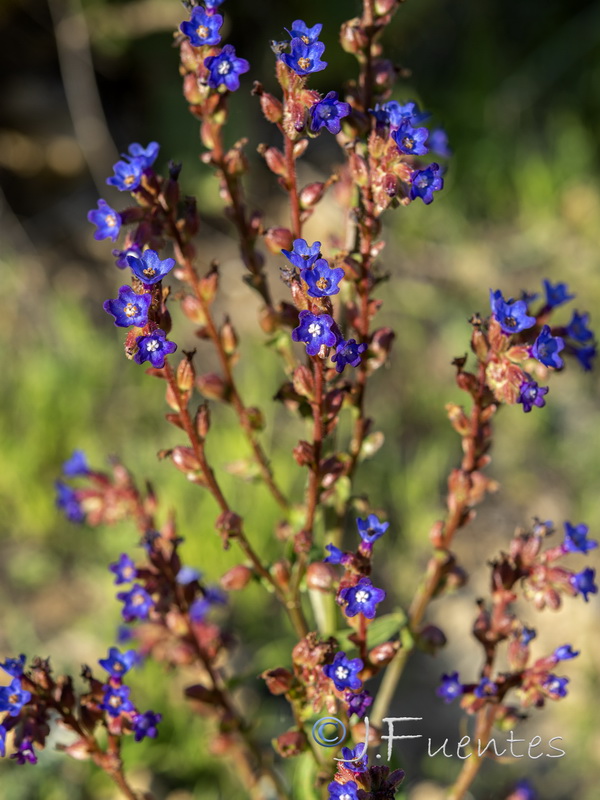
(341, 673)
(314, 329)
(362, 596)
(130, 310)
(224, 68)
(202, 31)
(152, 346)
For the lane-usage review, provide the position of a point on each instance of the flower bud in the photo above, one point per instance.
(290, 743)
(436, 535)
(192, 308)
(202, 420)
(271, 107)
(304, 453)
(383, 653)
(321, 576)
(185, 375)
(185, 459)
(432, 638)
(212, 386)
(278, 239)
(274, 158)
(279, 680)
(228, 337)
(280, 571)
(236, 578)
(303, 382)
(383, 7)
(311, 194)
(352, 36)
(209, 284)
(384, 74)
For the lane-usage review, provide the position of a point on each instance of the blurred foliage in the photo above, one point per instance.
(515, 87)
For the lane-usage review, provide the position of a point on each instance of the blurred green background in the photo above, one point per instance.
(515, 85)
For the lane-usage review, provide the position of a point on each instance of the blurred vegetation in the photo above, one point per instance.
(515, 86)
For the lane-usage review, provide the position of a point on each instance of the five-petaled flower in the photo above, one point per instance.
(328, 113)
(202, 28)
(145, 725)
(565, 653)
(371, 528)
(68, 500)
(304, 58)
(411, 141)
(146, 156)
(300, 30)
(557, 295)
(225, 69)
(138, 603)
(555, 687)
(14, 666)
(583, 582)
(128, 175)
(355, 759)
(362, 598)
(116, 700)
(394, 114)
(547, 347)
(511, 315)
(357, 702)
(578, 329)
(485, 688)
(13, 697)
(576, 540)
(315, 331)
(129, 308)
(585, 356)
(124, 569)
(321, 279)
(117, 663)
(149, 268)
(530, 395)
(347, 352)
(106, 219)
(343, 671)
(450, 687)
(154, 348)
(424, 182)
(302, 255)
(343, 791)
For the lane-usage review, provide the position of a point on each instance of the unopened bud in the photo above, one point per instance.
(192, 308)
(209, 284)
(279, 680)
(311, 194)
(281, 573)
(256, 419)
(278, 239)
(185, 459)
(236, 578)
(383, 653)
(352, 37)
(436, 534)
(321, 576)
(274, 158)
(271, 107)
(432, 638)
(212, 386)
(202, 421)
(385, 6)
(185, 375)
(303, 382)
(229, 338)
(290, 744)
(384, 75)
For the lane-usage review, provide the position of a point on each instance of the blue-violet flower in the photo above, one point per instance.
(129, 308)
(424, 182)
(106, 219)
(149, 268)
(343, 671)
(547, 347)
(347, 352)
(154, 348)
(409, 140)
(530, 395)
(301, 255)
(315, 331)
(225, 69)
(362, 598)
(202, 28)
(328, 113)
(304, 58)
(321, 279)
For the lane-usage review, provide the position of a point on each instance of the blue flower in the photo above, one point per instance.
(347, 352)
(450, 687)
(557, 295)
(336, 556)
(187, 575)
(149, 268)
(124, 569)
(304, 58)
(343, 671)
(129, 308)
(212, 4)
(66, 499)
(527, 634)
(438, 143)
(301, 255)
(359, 753)
(555, 686)
(585, 355)
(300, 30)
(117, 663)
(371, 529)
(362, 598)
(14, 666)
(321, 279)
(315, 331)
(576, 540)
(128, 175)
(424, 182)
(357, 702)
(583, 582)
(565, 653)
(530, 395)
(106, 219)
(485, 688)
(524, 791)
(116, 700)
(411, 140)
(328, 112)
(3, 733)
(138, 603)
(547, 347)
(145, 725)
(145, 155)
(76, 466)
(13, 697)
(202, 28)
(577, 329)
(225, 69)
(394, 114)
(154, 348)
(511, 316)
(201, 606)
(343, 791)
(122, 255)
(25, 754)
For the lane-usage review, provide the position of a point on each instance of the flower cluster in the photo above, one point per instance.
(305, 49)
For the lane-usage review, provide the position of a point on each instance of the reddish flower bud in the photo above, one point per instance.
(353, 38)
(274, 158)
(185, 459)
(192, 308)
(236, 578)
(321, 576)
(303, 382)
(281, 573)
(383, 653)
(202, 421)
(279, 680)
(212, 386)
(278, 239)
(185, 375)
(311, 194)
(228, 337)
(271, 107)
(290, 744)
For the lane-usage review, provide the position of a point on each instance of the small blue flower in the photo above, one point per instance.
(76, 466)
(304, 58)
(128, 175)
(583, 582)
(357, 702)
(149, 268)
(355, 759)
(547, 347)
(117, 663)
(138, 603)
(124, 569)
(530, 395)
(557, 295)
(576, 540)
(116, 700)
(301, 255)
(362, 598)
(154, 348)
(511, 316)
(315, 331)
(187, 575)
(212, 4)
(336, 556)
(347, 352)
(411, 141)
(300, 30)
(13, 697)
(145, 725)
(202, 28)
(14, 666)
(485, 688)
(438, 143)
(129, 308)
(585, 356)
(200, 607)
(122, 255)
(321, 279)
(527, 634)
(565, 653)
(144, 155)
(394, 114)
(524, 791)
(66, 499)
(578, 329)
(124, 634)
(555, 686)
(343, 791)
(424, 182)
(343, 671)
(450, 687)
(25, 753)
(225, 69)
(328, 113)
(106, 219)
(371, 529)
(3, 733)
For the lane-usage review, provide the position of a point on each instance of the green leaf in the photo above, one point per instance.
(303, 782)
(380, 630)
